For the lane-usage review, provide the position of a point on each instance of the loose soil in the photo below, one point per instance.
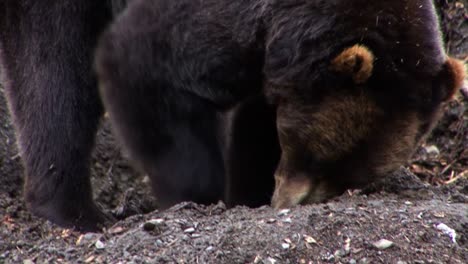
(419, 214)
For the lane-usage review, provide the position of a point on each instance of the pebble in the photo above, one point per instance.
(86, 238)
(99, 244)
(152, 224)
(148, 226)
(284, 212)
(210, 248)
(339, 253)
(448, 231)
(116, 230)
(285, 245)
(28, 261)
(432, 150)
(310, 240)
(189, 230)
(347, 246)
(257, 259)
(363, 261)
(90, 259)
(383, 244)
(269, 261)
(157, 221)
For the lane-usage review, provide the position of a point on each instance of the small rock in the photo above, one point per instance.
(328, 257)
(352, 261)
(99, 244)
(287, 220)
(285, 245)
(28, 261)
(448, 231)
(439, 214)
(146, 178)
(152, 224)
(116, 230)
(271, 220)
(189, 230)
(86, 238)
(383, 244)
(269, 261)
(4, 254)
(339, 253)
(149, 226)
(196, 235)
(363, 261)
(432, 150)
(310, 240)
(210, 248)
(157, 221)
(347, 245)
(90, 259)
(408, 203)
(257, 259)
(284, 212)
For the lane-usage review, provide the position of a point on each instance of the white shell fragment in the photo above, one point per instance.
(448, 231)
(310, 240)
(99, 244)
(284, 212)
(383, 244)
(189, 230)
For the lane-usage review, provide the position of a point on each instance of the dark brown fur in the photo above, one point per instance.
(355, 85)
(169, 70)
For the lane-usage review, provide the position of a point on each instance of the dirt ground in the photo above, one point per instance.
(417, 215)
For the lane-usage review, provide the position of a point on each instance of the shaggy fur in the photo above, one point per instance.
(169, 72)
(46, 54)
(338, 72)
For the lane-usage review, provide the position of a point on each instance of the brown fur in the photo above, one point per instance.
(350, 137)
(339, 124)
(456, 71)
(290, 191)
(358, 61)
(397, 140)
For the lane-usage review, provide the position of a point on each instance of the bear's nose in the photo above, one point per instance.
(290, 191)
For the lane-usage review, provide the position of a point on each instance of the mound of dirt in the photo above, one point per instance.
(416, 223)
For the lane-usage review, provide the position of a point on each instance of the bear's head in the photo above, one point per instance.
(367, 124)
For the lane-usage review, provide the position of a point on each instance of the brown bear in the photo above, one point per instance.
(353, 86)
(170, 70)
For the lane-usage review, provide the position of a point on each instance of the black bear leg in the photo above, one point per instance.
(46, 55)
(253, 153)
(171, 135)
(189, 166)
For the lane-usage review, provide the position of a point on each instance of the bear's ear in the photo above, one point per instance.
(452, 77)
(356, 61)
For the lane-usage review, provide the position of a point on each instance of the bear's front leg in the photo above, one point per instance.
(46, 55)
